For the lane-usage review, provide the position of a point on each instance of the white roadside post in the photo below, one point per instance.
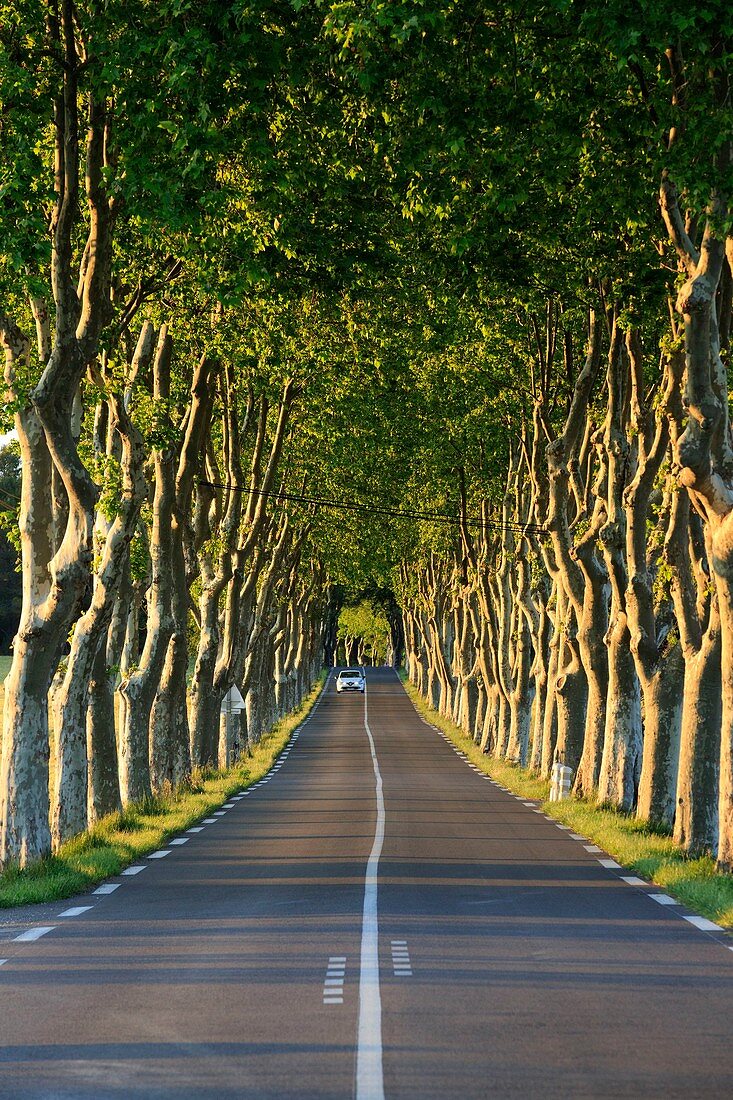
(232, 704)
(560, 780)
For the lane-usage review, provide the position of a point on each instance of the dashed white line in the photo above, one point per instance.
(611, 864)
(196, 829)
(160, 855)
(209, 821)
(703, 923)
(133, 870)
(33, 934)
(577, 836)
(108, 888)
(179, 840)
(401, 964)
(663, 899)
(2, 961)
(333, 985)
(76, 911)
(632, 880)
(592, 848)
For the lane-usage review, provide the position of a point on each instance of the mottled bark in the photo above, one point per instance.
(137, 691)
(70, 799)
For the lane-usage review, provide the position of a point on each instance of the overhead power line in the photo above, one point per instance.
(371, 509)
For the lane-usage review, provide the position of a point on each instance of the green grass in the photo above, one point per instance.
(654, 856)
(118, 840)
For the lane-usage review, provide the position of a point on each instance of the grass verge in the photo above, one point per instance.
(654, 856)
(118, 840)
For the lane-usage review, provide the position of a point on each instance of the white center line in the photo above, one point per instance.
(76, 911)
(369, 1070)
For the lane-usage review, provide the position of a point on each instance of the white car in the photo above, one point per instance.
(350, 679)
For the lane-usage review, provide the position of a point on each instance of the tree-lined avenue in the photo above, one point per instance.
(533, 970)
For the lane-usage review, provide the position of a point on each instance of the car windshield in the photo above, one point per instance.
(350, 672)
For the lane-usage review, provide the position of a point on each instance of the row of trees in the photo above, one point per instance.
(156, 360)
(582, 609)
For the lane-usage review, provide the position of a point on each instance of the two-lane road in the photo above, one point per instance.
(306, 944)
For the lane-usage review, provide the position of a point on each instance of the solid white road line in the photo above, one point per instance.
(108, 888)
(76, 911)
(33, 934)
(369, 1070)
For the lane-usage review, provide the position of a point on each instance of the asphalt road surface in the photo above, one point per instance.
(375, 920)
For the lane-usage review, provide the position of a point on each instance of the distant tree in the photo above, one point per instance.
(365, 632)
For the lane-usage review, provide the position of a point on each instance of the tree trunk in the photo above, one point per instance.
(137, 692)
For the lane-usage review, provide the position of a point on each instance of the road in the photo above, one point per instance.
(290, 950)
